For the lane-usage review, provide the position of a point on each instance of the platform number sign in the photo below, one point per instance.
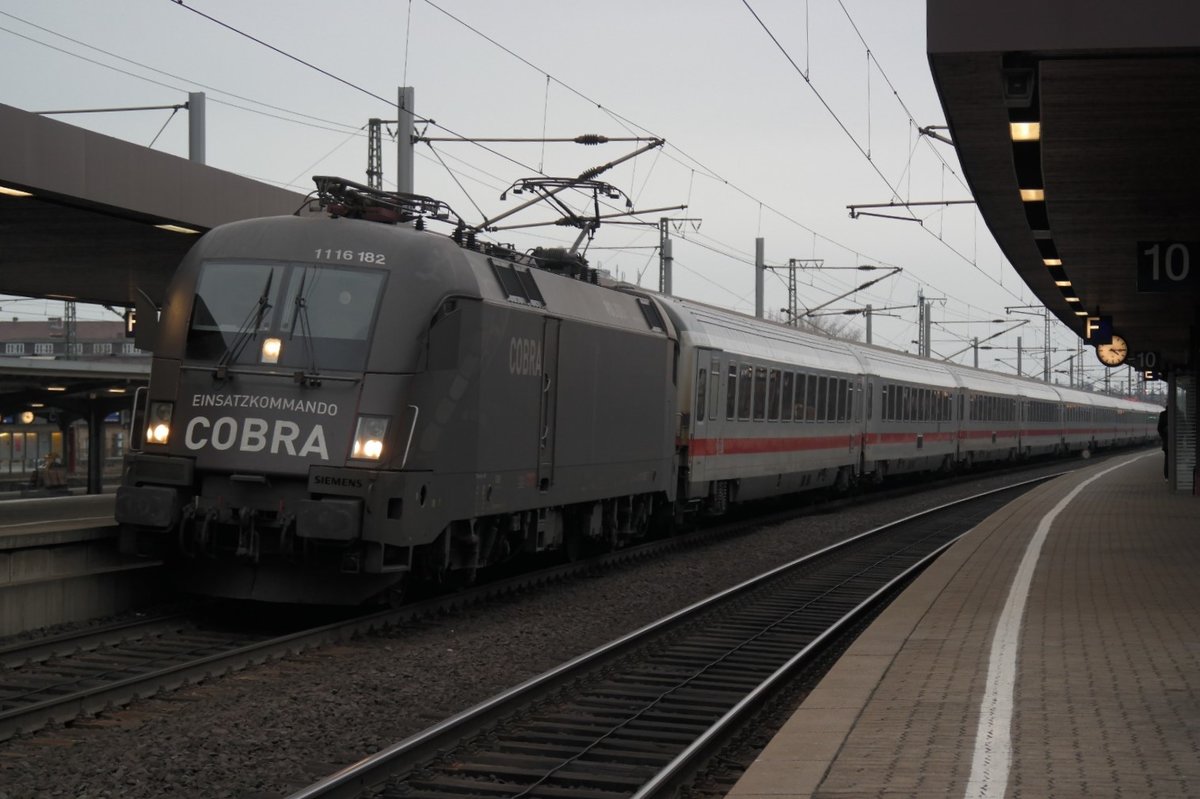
(1167, 265)
(1146, 361)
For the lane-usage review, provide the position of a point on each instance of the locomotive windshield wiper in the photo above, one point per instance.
(310, 376)
(253, 322)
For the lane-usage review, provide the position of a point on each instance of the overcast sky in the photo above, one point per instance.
(753, 147)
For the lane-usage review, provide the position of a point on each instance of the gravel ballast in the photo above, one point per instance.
(273, 729)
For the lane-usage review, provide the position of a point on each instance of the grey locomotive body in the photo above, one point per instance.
(336, 403)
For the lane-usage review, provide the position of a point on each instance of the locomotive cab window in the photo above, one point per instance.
(312, 314)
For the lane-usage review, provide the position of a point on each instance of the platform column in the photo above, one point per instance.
(95, 421)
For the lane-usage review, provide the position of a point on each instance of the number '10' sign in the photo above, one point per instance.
(1166, 265)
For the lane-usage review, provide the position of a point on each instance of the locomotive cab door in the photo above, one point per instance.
(547, 418)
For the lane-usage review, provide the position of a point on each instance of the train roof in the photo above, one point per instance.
(894, 365)
(715, 328)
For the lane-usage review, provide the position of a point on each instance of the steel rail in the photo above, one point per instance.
(36, 650)
(97, 698)
(407, 754)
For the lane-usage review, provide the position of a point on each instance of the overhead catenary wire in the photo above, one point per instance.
(864, 152)
(196, 83)
(523, 60)
(692, 164)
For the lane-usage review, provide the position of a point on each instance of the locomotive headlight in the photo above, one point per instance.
(270, 350)
(158, 423)
(368, 437)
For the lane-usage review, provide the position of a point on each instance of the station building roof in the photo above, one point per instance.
(1115, 89)
(82, 224)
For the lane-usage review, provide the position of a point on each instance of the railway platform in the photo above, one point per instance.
(1053, 651)
(59, 563)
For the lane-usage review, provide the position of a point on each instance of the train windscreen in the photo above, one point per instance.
(317, 316)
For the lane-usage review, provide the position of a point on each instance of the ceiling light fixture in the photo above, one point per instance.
(14, 192)
(1052, 261)
(177, 229)
(1062, 284)
(1033, 195)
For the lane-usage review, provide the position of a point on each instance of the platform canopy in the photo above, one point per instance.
(1111, 211)
(78, 211)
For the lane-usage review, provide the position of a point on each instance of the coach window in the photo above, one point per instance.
(731, 392)
(810, 398)
(701, 395)
(843, 411)
(714, 388)
(870, 399)
(831, 400)
(773, 390)
(788, 401)
(760, 393)
(820, 404)
(745, 391)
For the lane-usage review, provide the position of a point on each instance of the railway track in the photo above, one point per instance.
(639, 716)
(61, 678)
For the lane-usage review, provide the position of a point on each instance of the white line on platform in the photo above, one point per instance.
(993, 738)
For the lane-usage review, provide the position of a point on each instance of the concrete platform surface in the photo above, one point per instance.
(1054, 651)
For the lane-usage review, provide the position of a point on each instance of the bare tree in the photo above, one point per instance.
(839, 326)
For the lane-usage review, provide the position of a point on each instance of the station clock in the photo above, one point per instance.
(1113, 353)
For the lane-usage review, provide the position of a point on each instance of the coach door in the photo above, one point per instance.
(705, 430)
(549, 404)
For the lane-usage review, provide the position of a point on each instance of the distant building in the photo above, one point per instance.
(48, 339)
(42, 434)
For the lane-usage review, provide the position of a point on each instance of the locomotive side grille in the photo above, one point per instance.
(518, 285)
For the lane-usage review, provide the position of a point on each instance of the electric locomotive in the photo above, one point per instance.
(336, 404)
